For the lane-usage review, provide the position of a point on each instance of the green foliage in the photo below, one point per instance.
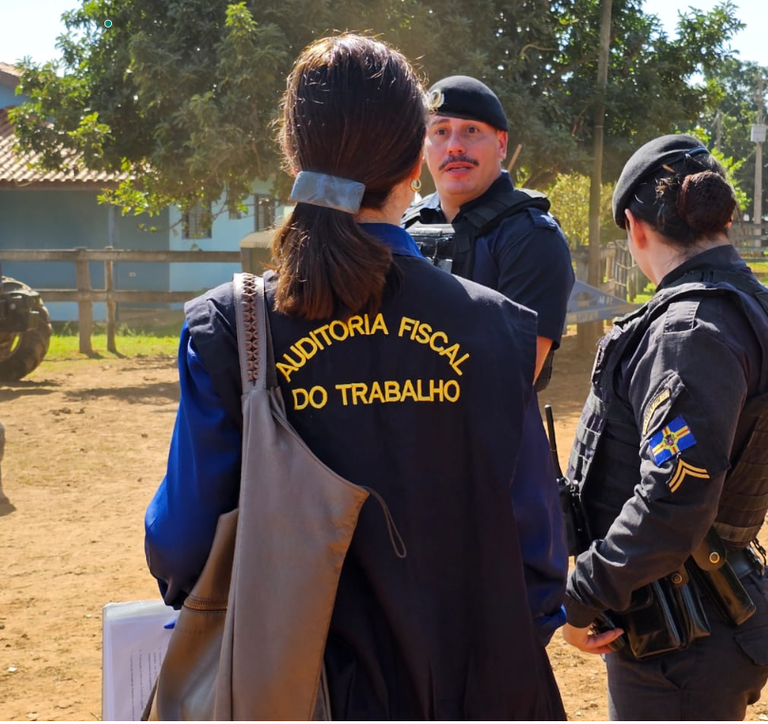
(648, 291)
(569, 195)
(650, 76)
(180, 96)
(728, 122)
(177, 96)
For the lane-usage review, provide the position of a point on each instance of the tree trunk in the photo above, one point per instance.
(591, 332)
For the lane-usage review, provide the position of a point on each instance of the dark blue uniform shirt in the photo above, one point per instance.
(525, 257)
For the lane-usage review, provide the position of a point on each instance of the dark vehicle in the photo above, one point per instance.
(25, 329)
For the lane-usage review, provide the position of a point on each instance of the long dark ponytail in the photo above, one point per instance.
(354, 109)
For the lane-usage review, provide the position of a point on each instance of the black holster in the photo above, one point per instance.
(709, 564)
(576, 527)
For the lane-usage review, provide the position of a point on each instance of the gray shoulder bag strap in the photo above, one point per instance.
(276, 561)
(297, 519)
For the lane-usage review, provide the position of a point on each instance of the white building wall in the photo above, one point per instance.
(226, 234)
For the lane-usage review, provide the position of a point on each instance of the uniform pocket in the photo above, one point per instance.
(754, 643)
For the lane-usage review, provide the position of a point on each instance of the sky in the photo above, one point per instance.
(30, 27)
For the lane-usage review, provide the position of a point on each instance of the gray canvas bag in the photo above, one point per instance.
(250, 638)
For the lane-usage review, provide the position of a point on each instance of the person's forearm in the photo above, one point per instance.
(543, 345)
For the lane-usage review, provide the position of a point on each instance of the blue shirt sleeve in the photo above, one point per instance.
(202, 481)
(540, 525)
(534, 268)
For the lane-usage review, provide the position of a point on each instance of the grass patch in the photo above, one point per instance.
(759, 269)
(646, 294)
(65, 343)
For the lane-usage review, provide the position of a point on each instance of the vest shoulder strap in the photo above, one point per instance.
(486, 216)
(474, 223)
(702, 283)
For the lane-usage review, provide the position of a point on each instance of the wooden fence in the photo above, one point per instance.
(623, 278)
(620, 273)
(749, 236)
(85, 295)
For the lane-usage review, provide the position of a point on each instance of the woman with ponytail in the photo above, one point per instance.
(671, 458)
(400, 378)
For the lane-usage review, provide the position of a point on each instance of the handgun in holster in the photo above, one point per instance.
(709, 565)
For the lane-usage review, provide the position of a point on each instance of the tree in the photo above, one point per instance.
(729, 121)
(181, 95)
(650, 88)
(569, 195)
(167, 95)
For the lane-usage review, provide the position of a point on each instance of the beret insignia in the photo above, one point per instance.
(436, 99)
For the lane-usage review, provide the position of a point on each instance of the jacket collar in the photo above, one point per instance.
(399, 240)
(720, 257)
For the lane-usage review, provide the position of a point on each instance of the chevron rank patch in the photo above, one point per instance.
(684, 469)
(671, 439)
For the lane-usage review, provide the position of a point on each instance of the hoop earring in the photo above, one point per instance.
(416, 185)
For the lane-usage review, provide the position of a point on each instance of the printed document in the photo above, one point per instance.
(135, 638)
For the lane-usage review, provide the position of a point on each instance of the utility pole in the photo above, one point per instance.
(758, 136)
(719, 131)
(593, 330)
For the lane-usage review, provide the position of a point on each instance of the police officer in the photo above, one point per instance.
(671, 457)
(512, 244)
(400, 378)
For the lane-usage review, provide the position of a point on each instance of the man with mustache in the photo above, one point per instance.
(504, 237)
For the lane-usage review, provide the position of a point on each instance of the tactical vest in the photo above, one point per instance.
(452, 246)
(744, 500)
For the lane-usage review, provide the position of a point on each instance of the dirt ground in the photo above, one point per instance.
(86, 448)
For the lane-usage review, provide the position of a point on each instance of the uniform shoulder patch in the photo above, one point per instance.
(542, 219)
(682, 470)
(652, 407)
(673, 438)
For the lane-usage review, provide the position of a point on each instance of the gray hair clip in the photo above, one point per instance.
(332, 192)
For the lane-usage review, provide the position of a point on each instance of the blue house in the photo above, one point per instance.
(60, 210)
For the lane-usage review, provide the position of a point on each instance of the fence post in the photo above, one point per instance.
(84, 308)
(246, 260)
(109, 286)
(256, 251)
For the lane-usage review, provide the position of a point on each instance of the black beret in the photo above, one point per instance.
(650, 158)
(463, 97)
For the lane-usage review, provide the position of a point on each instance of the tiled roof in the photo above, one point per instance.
(9, 75)
(15, 171)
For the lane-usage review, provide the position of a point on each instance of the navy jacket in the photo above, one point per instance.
(674, 389)
(429, 404)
